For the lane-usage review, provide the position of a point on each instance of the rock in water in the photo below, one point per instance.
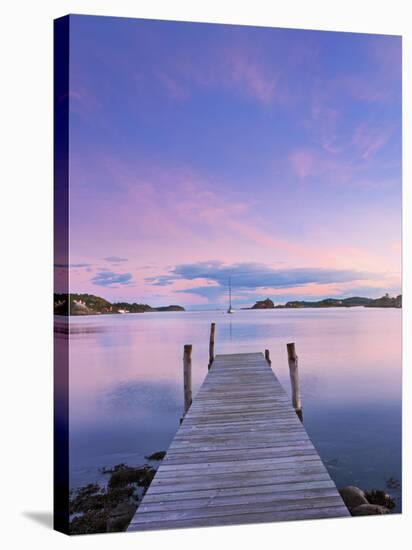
(369, 510)
(156, 456)
(264, 304)
(380, 498)
(353, 497)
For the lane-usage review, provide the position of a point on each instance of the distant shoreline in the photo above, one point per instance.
(70, 305)
(81, 305)
(385, 301)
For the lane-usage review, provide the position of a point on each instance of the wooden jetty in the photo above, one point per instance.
(241, 455)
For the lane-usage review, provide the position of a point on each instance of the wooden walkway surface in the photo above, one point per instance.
(241, 455)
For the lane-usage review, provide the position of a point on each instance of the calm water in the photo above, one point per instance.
(126, 392)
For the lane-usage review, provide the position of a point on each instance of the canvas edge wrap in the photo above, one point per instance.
(61, 274)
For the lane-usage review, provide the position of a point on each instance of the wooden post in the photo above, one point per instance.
(211, 345)
(267, 357)
(187, 376)
(294, 379)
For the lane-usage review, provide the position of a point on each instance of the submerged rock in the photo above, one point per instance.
(353, 496)
(156, 456)
(369, 510)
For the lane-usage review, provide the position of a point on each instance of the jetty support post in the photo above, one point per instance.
(294, 379)
(267, 357)
(187, 377)
(212, 344)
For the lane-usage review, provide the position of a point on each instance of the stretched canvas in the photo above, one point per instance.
(227, 274)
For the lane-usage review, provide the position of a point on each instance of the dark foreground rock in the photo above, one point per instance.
(156, 456)
(380, 498)
(119, 518)
(97, 509)
(353, 496)
(140, 476)
(369, 510)
(369, 503)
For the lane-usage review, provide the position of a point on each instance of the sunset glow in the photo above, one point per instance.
(201, 152)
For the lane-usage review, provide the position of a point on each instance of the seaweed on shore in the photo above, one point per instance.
(96, 509)
(141, 476)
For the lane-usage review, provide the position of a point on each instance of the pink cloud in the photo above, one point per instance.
(368, 140)
(237, 69)
(83, 101)
(246, 74)
(307, 162)
(169, 215)
(323, 123)
(374, 90)
(304, 163)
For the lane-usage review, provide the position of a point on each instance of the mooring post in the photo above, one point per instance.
(267, 357)
(211, 345)
(187, 376)
(294, 379)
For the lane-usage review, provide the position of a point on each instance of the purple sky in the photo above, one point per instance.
(199, 152)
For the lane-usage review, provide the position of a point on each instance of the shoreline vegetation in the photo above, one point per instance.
(355, 301)
(88, 304)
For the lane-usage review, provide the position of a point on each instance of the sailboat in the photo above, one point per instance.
(230, 310)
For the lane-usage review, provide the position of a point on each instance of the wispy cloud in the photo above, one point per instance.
(110, 279)
(115, 259)
(235, 69)
(368, 140)
(252, 276)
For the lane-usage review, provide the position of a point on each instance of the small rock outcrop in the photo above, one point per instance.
(264, 304)
(353, 496)
(369, 510)
(370, 503)
(380, 498)
(159, 455)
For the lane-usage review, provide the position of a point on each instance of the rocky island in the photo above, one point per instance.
(264, 304)
(88, 304)
(354, 301)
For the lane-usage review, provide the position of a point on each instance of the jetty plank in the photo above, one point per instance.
(241, 455)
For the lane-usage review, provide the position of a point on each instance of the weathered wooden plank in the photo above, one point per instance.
(219, 456)
(152, 504)
(228, 510)
(272, 489)
(228, 471)
(259, 479)
(247, 464)
(241, 455)
(246, 518)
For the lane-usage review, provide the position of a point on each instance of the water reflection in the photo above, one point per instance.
(126, 394)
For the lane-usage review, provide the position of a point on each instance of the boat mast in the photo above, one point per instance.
(230, 294)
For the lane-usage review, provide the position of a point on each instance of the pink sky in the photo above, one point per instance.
(208, 152)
